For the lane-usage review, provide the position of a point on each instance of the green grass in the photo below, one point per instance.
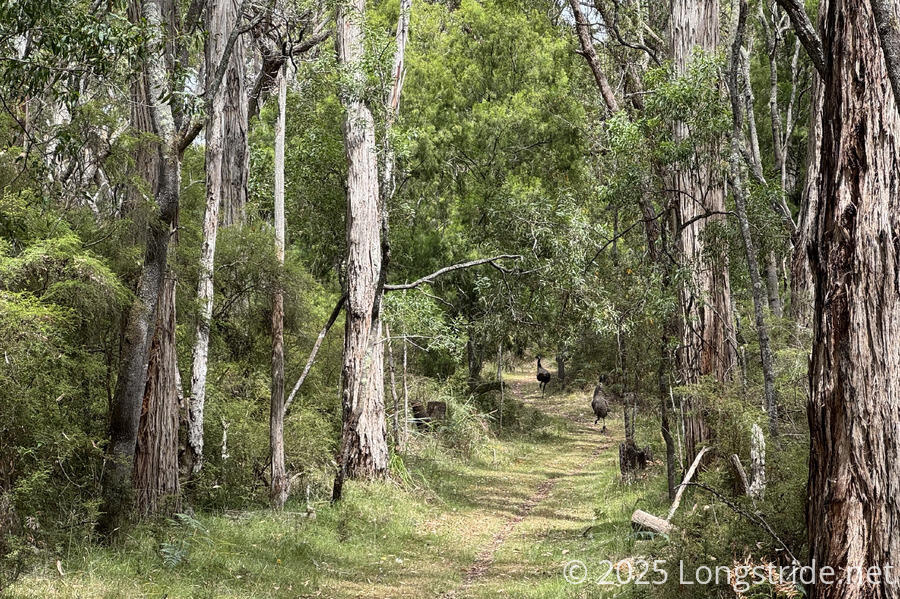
(388, 539)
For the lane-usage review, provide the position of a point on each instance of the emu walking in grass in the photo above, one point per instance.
(600, 404)
(543, 376)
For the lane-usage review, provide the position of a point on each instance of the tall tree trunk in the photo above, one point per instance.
(141, 318)
(146, 154)
(392, 103)
(363, 449)
(156, 483)
(801, 271)
(278, 489)
(227, 166)
(230, 168)
(854, 406)
(706, 326)
(740, 202)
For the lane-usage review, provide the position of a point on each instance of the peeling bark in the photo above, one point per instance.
(854, 405)
(363, 449)
(140, 321)
(278, 485)
(227, 167)
(706, 324)
(157, 489)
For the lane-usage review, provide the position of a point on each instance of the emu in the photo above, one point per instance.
(600, 404)
(543, 376)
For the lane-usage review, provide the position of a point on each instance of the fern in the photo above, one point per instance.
(173, 553)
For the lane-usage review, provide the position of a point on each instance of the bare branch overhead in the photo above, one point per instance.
(446, 269)
(806, 32)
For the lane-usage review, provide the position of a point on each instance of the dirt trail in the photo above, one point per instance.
(581, 435)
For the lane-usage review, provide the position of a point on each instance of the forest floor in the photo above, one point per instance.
(503, 523)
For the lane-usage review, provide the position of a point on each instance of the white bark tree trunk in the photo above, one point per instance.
(392, 105)
(279, 483)
(227, 166)
(363, 449)
(757, 488)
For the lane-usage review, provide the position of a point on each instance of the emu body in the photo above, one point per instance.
(600, 405)
(543, 376)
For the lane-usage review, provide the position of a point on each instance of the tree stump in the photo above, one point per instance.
(632, 457)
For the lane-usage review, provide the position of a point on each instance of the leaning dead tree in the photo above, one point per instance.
(339, 307)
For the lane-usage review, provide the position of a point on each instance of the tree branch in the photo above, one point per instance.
(610, 21)
(755, 518)
(806, 32)
(889, 31)
(272, 63)
(583, 29)
(446, 269)
(315, 350)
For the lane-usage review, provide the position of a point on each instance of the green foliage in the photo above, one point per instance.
(503, 147)
(66, 40)
(186, 532)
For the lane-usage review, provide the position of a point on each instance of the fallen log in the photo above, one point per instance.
(641, 520)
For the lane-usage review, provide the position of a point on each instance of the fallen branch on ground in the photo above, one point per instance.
(642, 519)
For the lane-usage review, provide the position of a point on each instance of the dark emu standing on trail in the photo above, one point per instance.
(600, 404)
(543, 376)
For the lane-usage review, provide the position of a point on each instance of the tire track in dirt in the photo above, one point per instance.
(485, 558)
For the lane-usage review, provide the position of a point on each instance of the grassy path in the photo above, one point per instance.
(500, 525)
(482, 575)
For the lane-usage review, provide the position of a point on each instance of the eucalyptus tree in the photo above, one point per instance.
(175, 126)
(706, 330)
(363, 451)
(739, 191)
(227, 165)
(278, 483)
(854, 478)
(280, 33)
